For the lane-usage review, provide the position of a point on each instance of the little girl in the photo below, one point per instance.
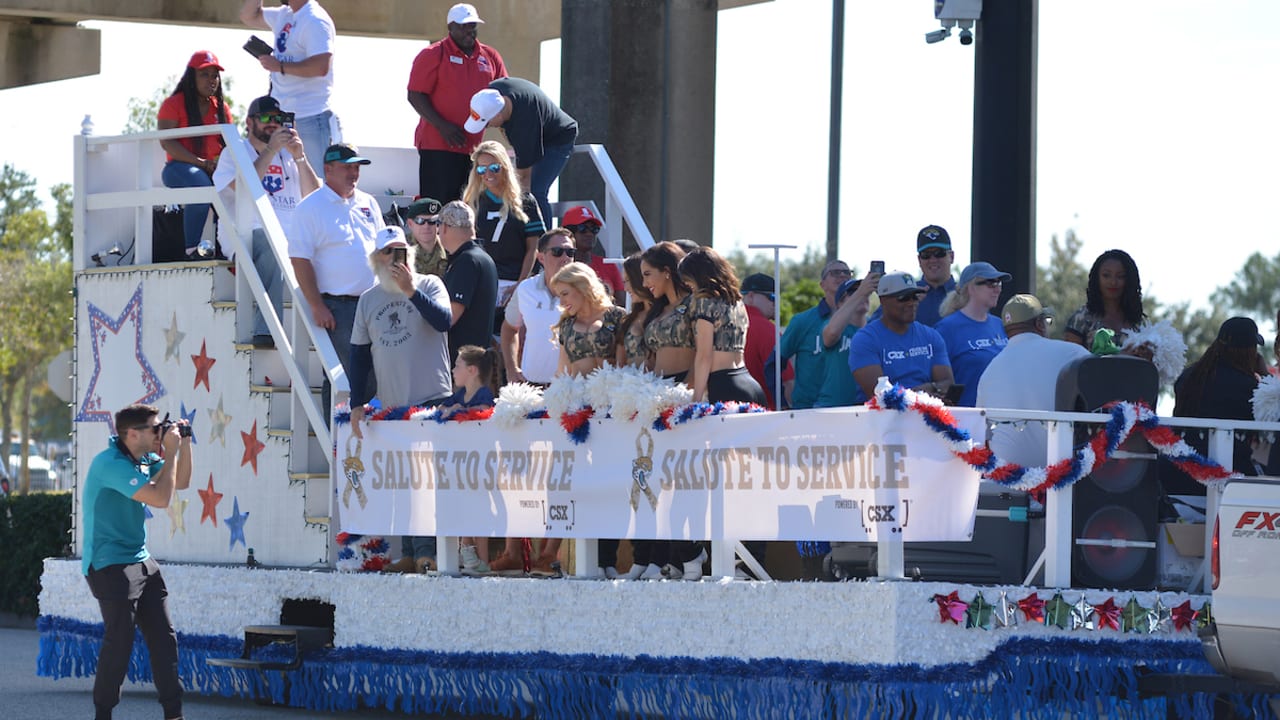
(473, 375)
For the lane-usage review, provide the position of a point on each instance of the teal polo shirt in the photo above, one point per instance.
(802, 340)
(115, 529)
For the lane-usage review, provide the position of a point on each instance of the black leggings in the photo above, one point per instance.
(734, 384)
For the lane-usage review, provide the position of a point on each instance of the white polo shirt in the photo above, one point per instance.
(336, 235)
(534, 307)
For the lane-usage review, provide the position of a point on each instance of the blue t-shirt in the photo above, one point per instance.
(906, 359)
(803, 340)
(971, 345)
(115, 530)
(482, 399)
(838, 386)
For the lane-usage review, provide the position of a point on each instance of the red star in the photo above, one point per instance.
(252, 446)
(203, 363)
(210, 499)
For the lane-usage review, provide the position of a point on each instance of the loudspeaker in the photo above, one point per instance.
(997, 554)
(1120, 499)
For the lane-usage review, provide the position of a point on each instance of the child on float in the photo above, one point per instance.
(474, 376)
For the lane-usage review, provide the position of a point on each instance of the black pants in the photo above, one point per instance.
(735, 384)
(442, 174)
(130, 596)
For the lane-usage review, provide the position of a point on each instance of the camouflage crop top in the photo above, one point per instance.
(673, 330)
(598, 342)
(729, 321)
(635, 353)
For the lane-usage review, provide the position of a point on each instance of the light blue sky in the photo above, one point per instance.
(1155, 125)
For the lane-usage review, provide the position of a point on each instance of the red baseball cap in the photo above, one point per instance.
(203, 59)
(581, 214)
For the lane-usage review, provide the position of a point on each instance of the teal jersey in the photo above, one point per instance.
(802, 340)
(115, 530)
(838, 386)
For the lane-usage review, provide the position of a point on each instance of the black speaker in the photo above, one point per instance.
(1120, 499)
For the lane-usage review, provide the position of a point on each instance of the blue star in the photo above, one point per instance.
(190, 417)
(235, 523)
(91, 408)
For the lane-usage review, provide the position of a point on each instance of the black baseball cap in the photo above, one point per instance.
(1240, 332)
(932, 236)
(759, 282)
(345, 154)
(264, 104)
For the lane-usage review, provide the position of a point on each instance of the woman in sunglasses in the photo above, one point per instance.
(190, 161)
(508, 222)
(973, 335)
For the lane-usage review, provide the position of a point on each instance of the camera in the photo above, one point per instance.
(966, 36)
(937, 36)
(166, 423)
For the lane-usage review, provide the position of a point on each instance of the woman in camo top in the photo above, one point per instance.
(668, 327)
(632, 350)
(589, 322)
(720, 330)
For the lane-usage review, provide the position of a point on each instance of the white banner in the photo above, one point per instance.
(838, 474)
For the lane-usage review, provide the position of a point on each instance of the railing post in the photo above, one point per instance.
(143, 215)
(1058, 535)
(890, 557)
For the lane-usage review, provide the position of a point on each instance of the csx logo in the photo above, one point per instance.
(558, 512)
(880, 513)
(1258, 520)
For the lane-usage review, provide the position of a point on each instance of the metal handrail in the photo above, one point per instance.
(252, 204)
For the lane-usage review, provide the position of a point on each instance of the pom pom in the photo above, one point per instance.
(1169, 350)
(1266, 400)
(516, 402)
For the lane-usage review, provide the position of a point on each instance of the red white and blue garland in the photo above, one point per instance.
(362, 553)
(1125, 419)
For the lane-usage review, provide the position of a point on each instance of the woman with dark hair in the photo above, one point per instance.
(1221, 383)
(1113, 300)
(632, 350)
(720, 331)
(197, 100)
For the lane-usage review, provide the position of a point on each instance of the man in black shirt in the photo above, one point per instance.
(541, 134)
(471, 278)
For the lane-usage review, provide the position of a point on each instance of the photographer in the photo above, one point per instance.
(122, 575)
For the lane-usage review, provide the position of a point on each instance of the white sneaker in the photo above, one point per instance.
(693, 568)
(611, 573)
(635, 572)
(471, 563)
(652, 572)
(671, 572)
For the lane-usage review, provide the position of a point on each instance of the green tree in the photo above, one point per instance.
(17, 195)
(1254, 291)
(62, 222)
(1061, 285)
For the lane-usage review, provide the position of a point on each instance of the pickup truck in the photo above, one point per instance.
(1243, 642)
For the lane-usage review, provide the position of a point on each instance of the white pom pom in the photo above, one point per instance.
(515, 402)
(1266, 400)
(1169, 350)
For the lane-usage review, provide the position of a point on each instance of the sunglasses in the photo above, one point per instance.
(561, 251)
(424, 220)
(933, 254)
(153, 428)
(907, 298)
(268, 118)
(995, 282)
(591, 228)
(491, 168)
(838, 273)
(772, 298)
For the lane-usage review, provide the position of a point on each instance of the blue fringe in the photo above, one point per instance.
(1036, 677)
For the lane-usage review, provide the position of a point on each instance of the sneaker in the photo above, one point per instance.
(480, 570)
(693, 568)
(470, 558)
(546, 570)
(635, 572)
(611, 573)
(671, 572)
(652, 572)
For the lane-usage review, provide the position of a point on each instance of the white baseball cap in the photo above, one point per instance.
(464, 13)
(484, 105)
(389, 236)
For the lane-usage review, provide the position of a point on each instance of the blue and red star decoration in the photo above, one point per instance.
(101, 327)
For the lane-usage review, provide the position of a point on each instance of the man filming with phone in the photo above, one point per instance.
(401, 333)
(280, 160)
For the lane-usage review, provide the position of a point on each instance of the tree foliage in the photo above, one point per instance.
(1061, 285)
(1254, 291)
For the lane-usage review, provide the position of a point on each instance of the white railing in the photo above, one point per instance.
(617, 204)
(100, 187)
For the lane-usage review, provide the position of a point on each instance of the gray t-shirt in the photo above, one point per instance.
(410, 358)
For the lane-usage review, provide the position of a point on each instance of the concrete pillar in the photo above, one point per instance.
(644, 70)
(39, 53)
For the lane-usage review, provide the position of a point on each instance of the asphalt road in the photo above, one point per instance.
(25, 696)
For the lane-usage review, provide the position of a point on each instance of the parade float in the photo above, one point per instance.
(619, 455)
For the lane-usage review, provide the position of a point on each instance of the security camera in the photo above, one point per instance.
(966, 37)
(937, 36)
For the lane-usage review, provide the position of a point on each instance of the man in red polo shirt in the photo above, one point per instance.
(758, 295)
(585, 225)
(444, 77)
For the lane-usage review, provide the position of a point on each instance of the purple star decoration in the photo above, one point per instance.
(100, 325)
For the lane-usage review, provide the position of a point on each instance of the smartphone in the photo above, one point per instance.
(400, 256)
(287, 122)
(877, 266)
(953, 393)
(257, 47)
